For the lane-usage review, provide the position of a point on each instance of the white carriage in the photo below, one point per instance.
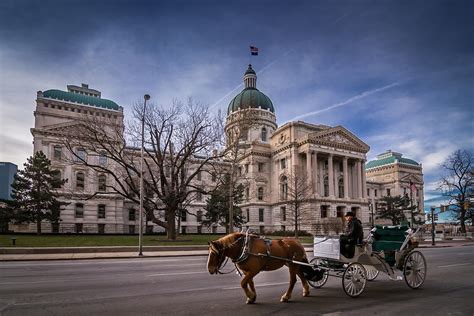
(387, 249)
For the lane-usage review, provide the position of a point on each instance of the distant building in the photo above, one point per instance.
(7, 175)
(393, 175)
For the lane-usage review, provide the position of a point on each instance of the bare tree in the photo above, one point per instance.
(297, 195)
(458, 183)
(237, 145)
(179, 144)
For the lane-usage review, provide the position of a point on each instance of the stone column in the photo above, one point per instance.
(321, 179)
(331, 176)
(364, 180)
(359, 179)
(309, 174)
(336, 180)
(315, 175)
(346, 178)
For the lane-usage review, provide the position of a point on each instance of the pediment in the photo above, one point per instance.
(411, 178)
(66, 128)
(339, 137)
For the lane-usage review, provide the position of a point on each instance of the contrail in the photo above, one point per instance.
(258, 73)
(348, 101)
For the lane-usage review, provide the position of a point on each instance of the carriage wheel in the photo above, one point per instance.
(414, 269)
(320, 283)
(372, 273)
(354, 279)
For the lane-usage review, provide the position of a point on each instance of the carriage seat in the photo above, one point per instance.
(388, 239)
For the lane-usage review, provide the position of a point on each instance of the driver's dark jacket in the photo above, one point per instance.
(354, 231)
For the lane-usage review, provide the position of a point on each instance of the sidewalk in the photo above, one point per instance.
(30, 254)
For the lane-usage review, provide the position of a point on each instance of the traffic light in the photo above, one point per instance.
(443, 208)
(436, 217)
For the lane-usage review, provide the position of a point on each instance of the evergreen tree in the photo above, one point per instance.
(394, 209)
(34, 192)
(218, 205)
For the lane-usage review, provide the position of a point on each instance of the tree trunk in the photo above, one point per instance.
(38, 224)
(170, 219)
(462, 219)
(296, 223)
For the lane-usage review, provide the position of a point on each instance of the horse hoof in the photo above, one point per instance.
(249, 301)
(284, 299)
(305, 294)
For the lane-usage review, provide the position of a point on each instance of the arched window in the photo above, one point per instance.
(284, 188)
(260, 194)
(80, 181)
(102, 180)
(264, 134)
(326, 186)
(341, 187)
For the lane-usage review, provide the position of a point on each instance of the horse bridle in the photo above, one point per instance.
(221, 255)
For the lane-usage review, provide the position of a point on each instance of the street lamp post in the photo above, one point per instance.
(140, 215)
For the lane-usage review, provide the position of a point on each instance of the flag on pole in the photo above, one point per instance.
(254, 51)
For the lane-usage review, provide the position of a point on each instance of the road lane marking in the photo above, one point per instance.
(455, 265)
(106, 261)
(256, 285)
(177, 273)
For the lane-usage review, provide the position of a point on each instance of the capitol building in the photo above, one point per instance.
(331, 161)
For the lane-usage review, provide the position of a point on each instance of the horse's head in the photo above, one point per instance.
(216, 257)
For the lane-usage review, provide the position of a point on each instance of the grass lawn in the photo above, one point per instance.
(105, 240)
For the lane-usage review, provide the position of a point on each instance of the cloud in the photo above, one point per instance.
(348, 101)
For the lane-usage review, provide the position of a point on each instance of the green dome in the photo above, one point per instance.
(79, 98)
(388, 161)
(250, 98)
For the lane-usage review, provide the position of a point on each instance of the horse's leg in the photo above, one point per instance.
(251, 295)
(287, 295)
(252, 288)
(304, 282)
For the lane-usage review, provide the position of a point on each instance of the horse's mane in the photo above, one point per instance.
(229, 239)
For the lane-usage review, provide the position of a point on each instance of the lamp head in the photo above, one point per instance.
(147, 97)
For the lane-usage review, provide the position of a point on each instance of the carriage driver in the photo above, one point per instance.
(354, 235)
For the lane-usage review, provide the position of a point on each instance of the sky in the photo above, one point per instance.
(398, 74)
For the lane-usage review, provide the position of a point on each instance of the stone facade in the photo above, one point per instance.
(330, 159)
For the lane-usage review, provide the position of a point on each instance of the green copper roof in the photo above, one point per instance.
(250, 98)
(388, 161)
(79, 98)
(250, 70)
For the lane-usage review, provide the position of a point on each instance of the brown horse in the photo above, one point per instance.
(255, 258)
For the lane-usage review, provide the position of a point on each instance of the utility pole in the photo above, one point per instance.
(432, 226)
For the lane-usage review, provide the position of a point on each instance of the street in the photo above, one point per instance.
(182, 286)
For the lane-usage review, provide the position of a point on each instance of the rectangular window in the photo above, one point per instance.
(247, 193)
(101, 211)
(198, 176)
(340, 211)
(102, 180)
(78, 228)
(404, 191)
(282, 163)
(184, 216)
(199, 216)
(57, 152)
(261, 167)
(324, 211)
(368, 192)
(341, 167)
(131, 214)
(80, 154)
(260, 214)
(375, 192)
(102, 159)
(248, 215)
(246, 168)
(240, 171)
(131, 229)
(79, 210)
(283, 213)
(260, 194)
(388, 192)
(80, 181)
(101, 228)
